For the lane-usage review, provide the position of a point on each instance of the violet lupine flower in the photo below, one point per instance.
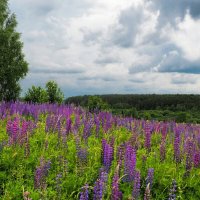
(136, 187)
(41, 173)
(99, 186)
(23, 132)
(48, 123)
(172, 194)
(13, 130)
(97, 124)
(84, 195)
(189, 154)
(197, 159)
(148, 137)
(68, 126)
(87, 129)
(116, 193)
(177, 155)
(149, 179)
(82, 153)
(129, 163)
(107, 154)
(120, 154)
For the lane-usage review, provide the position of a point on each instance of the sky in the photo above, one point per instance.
(111, 46)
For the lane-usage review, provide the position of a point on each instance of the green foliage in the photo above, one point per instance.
(17, 170)
(176, 102)
(54, 93)
(36, 95)
(13, 66)
(96, 103)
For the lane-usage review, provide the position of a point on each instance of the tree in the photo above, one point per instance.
(36, 95)
(96, 103)
(13, 66)
(54, 93)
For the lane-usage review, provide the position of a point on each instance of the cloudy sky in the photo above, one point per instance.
(111, 46)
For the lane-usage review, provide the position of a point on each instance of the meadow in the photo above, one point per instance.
(51, 151)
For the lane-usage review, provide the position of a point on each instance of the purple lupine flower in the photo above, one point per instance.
(129, 163)
(87, 129)
(41, 173)
(172, 194)
(149, 179)
(23, 132)
(120, 154)
(84, 195)
(136, 187)
(107, 154)
(197, 159)
(97, 123)
(147, 137)
(68, 125)
(177, 155)
(99, 186)
(82, 153)
(116, 193)
(189, 154)
(15, 130)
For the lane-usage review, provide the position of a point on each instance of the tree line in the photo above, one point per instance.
(173, 102)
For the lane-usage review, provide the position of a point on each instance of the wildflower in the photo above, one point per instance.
(41, 173)
(172, 195)
(148, 137)
(84, 195)
(149, 179)
(136, 188)
(129, 163)
(116, 193)
(177, 146)
(99, 186)
(107, 154)
(197, 159)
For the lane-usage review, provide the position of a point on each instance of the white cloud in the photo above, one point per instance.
(187, 36)
(109, 46)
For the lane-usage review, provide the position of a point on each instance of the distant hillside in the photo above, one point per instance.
(174, 102)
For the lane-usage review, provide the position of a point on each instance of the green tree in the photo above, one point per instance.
(54, 93)
(36, 95)
(13, 66)
(96, 102)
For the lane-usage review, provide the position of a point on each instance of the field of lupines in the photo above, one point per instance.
(64, 152)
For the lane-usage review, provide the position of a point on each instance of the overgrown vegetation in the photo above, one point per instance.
(179, 108)
(62, 152)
